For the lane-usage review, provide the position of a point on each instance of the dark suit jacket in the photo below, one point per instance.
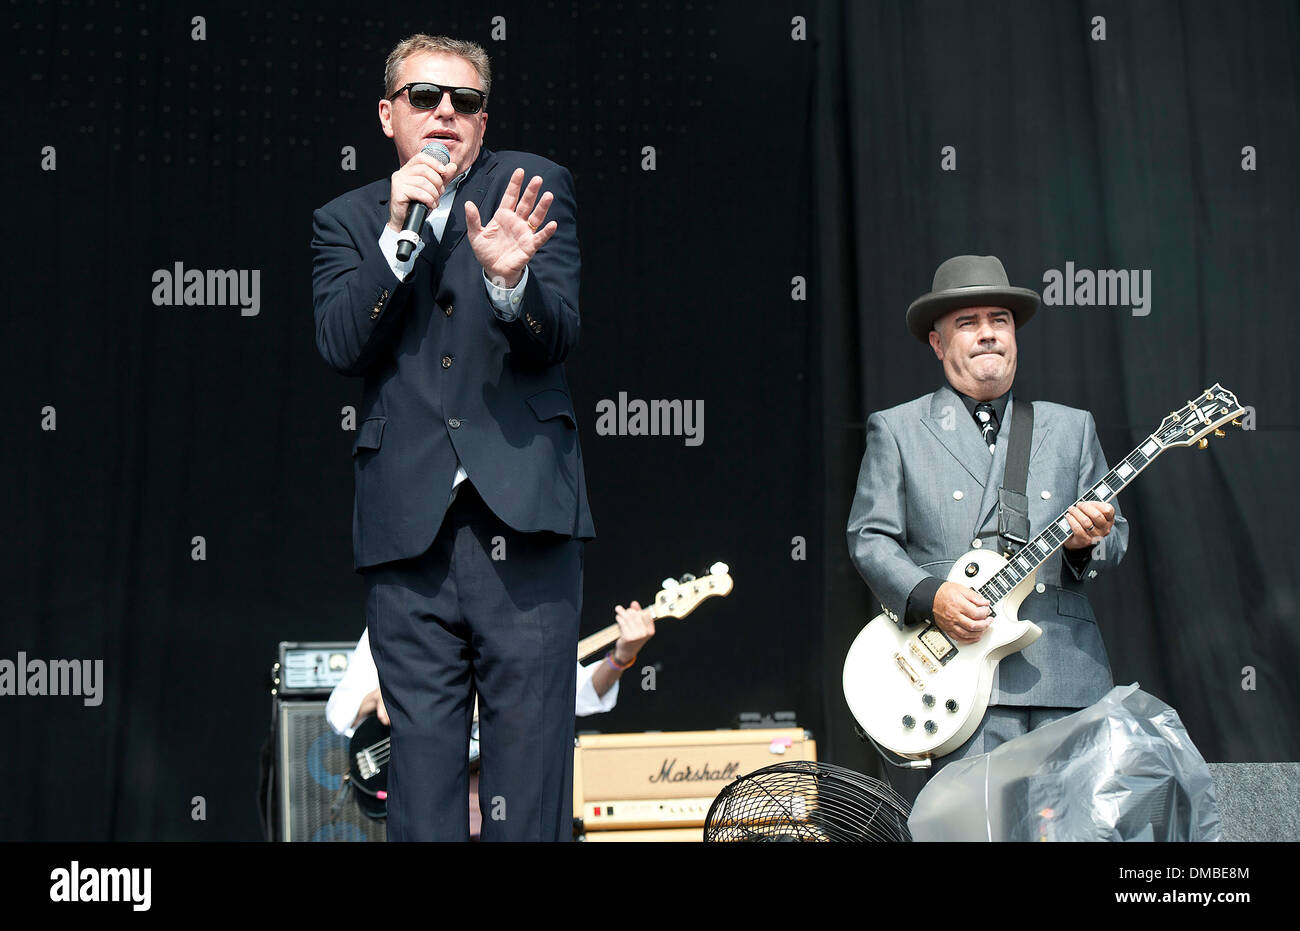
(444, 376)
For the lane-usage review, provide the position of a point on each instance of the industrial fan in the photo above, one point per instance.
(805, 801)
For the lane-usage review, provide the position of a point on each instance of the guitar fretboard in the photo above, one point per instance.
(1038, 550)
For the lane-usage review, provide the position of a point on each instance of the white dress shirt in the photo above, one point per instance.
(361, 678)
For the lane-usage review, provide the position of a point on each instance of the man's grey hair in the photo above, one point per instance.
(472, 52)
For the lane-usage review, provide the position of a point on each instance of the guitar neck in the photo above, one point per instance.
(607, 635)
(1038, 550)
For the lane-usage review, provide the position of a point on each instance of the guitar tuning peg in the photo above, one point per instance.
(719, 568)
(668, 584)
(686, 577)
(1219, 433)
(1202, 443)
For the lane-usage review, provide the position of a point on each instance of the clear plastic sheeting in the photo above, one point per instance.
(1121, 770)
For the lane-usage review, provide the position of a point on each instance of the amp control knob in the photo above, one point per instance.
(931, 727)
(928, 700)
(909, 722)
(951, 704)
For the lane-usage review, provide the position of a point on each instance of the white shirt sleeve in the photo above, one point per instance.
(388, 246)
(360, 679)
(588, 701)
(505, 301)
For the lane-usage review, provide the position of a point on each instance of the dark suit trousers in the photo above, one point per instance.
(454, 622)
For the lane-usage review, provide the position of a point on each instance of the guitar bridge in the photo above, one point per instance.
(908, 671)
(366, 765)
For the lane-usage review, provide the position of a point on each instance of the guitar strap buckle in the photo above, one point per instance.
(1013, 520)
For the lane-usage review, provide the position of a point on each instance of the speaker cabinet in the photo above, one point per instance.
(311, 762)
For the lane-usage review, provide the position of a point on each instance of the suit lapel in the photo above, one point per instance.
(471, 189)
(953, 426)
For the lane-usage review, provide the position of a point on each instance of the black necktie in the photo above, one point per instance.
(987, 419)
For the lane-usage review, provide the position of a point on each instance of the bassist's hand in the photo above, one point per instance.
(961, 612)
(373, 703)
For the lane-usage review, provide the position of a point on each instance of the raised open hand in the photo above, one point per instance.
(505, 245)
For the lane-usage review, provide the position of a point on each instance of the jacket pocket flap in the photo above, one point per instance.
(552, 403)
(369, 434)
(1072, 604)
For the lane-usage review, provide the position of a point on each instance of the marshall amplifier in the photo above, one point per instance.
(669, 780)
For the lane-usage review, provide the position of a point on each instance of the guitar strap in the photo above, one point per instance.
(1013, 504)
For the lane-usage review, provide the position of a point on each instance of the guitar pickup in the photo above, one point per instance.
(937, 642)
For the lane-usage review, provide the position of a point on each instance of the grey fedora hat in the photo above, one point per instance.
(969, 281)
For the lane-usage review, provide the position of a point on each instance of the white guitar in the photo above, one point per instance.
(918, 693)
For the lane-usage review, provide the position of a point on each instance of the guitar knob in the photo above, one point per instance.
(972, 569)
(951, 704)
(928, 700)
(909, 722)
(1219, 433)
(1202, 443)
(931, 727)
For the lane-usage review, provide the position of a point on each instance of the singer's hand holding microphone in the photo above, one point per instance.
(416, 189)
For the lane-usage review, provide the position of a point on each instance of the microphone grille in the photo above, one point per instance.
(437, 150)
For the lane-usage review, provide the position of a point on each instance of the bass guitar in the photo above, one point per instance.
(370, 746)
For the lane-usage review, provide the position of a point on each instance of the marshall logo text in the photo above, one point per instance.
(669, 773)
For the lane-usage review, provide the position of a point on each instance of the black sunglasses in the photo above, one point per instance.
(426, 96)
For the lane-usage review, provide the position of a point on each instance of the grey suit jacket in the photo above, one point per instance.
(927, 492)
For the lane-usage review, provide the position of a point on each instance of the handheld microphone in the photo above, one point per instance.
(416, 212)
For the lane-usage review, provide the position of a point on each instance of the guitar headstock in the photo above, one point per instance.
(679, 597)
(1193, 423)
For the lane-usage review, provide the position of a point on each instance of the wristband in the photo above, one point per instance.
(613, 662)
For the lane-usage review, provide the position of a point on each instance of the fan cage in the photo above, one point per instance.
(802, 800)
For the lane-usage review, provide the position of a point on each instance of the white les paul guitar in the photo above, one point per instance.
(918, 693)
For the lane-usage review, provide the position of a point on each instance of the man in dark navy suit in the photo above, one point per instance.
(471, 503)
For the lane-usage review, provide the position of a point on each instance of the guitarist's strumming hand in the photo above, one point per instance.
(373, 703)
(961, 612)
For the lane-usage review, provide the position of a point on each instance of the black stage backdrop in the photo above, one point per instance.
(796, 203)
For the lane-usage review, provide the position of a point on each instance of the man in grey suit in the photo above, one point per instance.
(928, 492)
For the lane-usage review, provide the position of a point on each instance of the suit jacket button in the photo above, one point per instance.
(957, 495)
(1040, 588)
(374, 313)
(1092, 573)
(454, 423)
(446, 362)
(1046, 494)
(976, 543)
(447, 310)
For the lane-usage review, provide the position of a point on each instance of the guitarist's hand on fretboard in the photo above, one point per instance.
(635, 626)
(1090, 521)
